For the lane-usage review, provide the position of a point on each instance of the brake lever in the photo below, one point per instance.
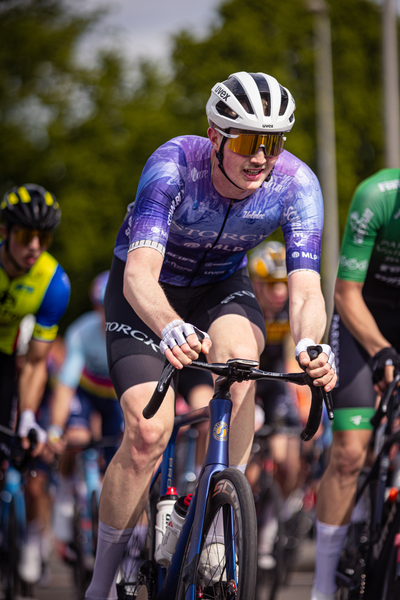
(318, 396)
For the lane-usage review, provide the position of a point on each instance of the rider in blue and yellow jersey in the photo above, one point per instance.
(31, 282)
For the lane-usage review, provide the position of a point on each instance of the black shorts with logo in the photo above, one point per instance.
(132, 347)
(354, 387)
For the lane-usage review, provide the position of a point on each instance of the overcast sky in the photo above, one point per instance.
(144, 26)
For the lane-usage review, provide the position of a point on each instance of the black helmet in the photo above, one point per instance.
(32, 207)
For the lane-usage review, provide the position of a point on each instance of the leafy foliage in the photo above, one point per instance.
(85, 133)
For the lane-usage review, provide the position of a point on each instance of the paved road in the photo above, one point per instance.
(61, 586)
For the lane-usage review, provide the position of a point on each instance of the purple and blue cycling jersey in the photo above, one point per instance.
(203, 236)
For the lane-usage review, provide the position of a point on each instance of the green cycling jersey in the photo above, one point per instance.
(370, 251)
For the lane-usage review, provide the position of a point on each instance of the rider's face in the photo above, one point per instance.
(271, 296)
(247, 172)
(24, 255)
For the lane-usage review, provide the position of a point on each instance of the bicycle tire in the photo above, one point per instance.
(383, 581)
(352, 572)
(80, 576)
(269, 580)
(391, 585)
(229, 494)
(136, 575)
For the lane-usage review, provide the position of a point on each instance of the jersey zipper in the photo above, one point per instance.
(214, 244)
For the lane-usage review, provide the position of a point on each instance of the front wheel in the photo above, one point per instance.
(391, 581)
(226, 568)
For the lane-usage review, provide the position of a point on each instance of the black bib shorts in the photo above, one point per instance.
(132, 348)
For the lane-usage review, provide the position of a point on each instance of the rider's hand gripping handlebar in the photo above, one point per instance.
(241, 370)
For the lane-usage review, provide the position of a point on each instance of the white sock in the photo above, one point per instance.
(330, 540)
(111, 544)
(317, 595)
(268, 530)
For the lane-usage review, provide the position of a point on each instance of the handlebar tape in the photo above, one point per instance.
(159, 393)
(318, 396)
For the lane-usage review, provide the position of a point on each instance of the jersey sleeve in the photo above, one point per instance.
(71, 371)
(363, 223)
(160, 191)
(302, 222)
(53, 306)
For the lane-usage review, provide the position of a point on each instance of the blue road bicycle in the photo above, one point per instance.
(13, 516)
(85, 521)
(216, 553)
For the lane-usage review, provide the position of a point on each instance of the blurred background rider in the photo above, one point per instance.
(83, 390)
(31, 282)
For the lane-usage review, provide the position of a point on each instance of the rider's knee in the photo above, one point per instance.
(145, 440)
(36, 485)
(348, 455)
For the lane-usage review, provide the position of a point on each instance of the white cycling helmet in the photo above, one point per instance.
(253, 102)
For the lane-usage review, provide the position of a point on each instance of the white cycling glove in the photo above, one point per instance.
(27, 422)
(176, 332)
(305, 342)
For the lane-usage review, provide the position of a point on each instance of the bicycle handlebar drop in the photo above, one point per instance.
(384, 402)
(237, 370)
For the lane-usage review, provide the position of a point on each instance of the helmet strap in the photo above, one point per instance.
(268, 177)
(220, 156)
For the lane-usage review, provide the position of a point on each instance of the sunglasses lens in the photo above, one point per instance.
(248, 144)
(25, 236)
(45, 238)
(273, 144)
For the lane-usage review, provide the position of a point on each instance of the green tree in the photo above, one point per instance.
(277, 38)
(86, 135)
(61, 126)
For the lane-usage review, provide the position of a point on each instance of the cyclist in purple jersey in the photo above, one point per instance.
(178, 280)
(204, 236)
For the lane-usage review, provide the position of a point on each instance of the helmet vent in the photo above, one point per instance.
(265, 93)
(225, 111)
(284, 101)
(240, 93)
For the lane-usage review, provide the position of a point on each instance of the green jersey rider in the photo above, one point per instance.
(365, 336)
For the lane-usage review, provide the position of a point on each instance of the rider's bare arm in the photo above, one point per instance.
(357, 317)
(308, 321)
(147, 298)
(359, 321)
(32, 383)
(33, 378)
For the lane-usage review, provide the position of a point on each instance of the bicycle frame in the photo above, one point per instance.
(217, 459)
(382, 527)
(13, 491)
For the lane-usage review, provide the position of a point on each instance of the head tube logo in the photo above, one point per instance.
(220, 431)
